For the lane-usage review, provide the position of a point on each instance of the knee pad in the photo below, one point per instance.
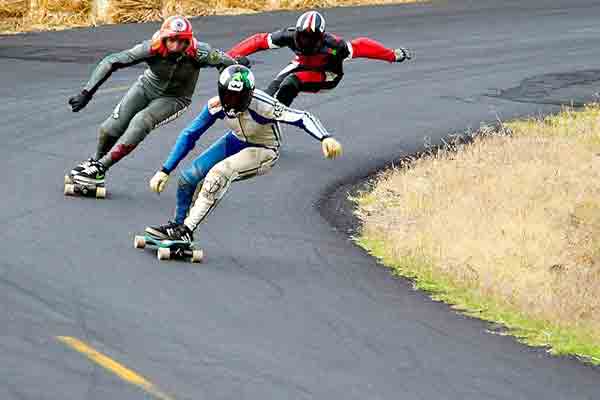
(217, 182)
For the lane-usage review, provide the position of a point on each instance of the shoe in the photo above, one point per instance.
(93, 174)
(81, 166)
(171, 231)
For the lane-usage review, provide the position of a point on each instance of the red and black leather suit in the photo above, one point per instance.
(320, 70)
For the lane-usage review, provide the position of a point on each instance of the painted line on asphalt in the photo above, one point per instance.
(111, 365)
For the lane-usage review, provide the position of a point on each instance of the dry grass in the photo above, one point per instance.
(15, 16)
(13, 8)
(61, 14)
(514, 217)
(307, 4)
(156, 10)
(12, 13)
(136, 10)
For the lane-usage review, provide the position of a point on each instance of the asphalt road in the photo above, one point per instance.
(285, 306)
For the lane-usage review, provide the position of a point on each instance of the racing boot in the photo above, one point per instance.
(171, 231)
(93, 174)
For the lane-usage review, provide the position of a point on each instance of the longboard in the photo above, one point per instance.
(169, 249)
(73, 188)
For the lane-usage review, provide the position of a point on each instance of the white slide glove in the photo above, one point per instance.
(331, 148)
(159, 181)
(403, 54)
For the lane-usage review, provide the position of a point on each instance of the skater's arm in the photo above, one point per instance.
(116, 61)
(189, 136)
(305, 120)
(210, 57)
(301, 119)
(259, 42)
(269, 109)
(368, 48)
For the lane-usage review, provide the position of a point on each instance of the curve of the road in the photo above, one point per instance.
(285, 307)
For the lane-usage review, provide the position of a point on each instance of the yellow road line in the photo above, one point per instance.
(109, 364)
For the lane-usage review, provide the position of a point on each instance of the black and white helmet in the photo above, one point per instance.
(236, 86)
(310, 30)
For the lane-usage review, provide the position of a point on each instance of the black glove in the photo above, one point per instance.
(243, 60)
(79, 101)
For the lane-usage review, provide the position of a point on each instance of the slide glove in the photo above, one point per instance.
(80, 101)
(402, 54)
(159, 181)
(331, 148)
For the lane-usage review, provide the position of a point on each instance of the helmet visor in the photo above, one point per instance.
(235, 101)
(308, 41)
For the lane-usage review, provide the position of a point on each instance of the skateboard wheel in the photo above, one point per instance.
(197, 256)
(100, 193)
(139, 242)
(163, 253)
(69, 189)
(68, 180)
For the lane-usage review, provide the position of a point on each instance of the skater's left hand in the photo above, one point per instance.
(402, 54)
(331, 148)
(159, 181)
(79, 101)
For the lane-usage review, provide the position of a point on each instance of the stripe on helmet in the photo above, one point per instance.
(311, 21)
(310, 24)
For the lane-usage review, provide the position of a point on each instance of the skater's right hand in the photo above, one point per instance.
(331, 148)
(79, 101)
(403, 54)
(159, 181)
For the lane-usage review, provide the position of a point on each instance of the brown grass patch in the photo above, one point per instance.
(514, 217)
(62, 14)
(135, 10)
(12, 13)
(48, 14)
(13, 8)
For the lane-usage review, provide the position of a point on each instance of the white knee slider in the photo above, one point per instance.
(217, 182)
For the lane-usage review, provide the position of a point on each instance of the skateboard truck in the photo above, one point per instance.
(73, 188)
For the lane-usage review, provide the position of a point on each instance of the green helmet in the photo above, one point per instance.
(236, 85)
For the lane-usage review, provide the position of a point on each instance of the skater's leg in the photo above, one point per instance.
(113, 127)
(305, 81)
(249, 162)
(159, 112)
(192, 176)
(276, 83)
(288, 89)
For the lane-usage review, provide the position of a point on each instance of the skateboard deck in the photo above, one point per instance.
(73, 188)
(169, 249)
